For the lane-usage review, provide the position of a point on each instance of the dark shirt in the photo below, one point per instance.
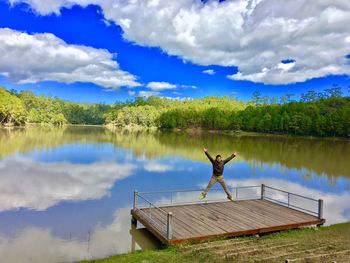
(218, 167)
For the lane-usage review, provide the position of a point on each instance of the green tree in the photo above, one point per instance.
(12, 111)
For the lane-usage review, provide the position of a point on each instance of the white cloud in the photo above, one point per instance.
(285, 66)
(39, 57)
(209, 71)
(159, 86)
(254, 35)
(37, 185)
(146, 93)
(155, 89)
(51, 6)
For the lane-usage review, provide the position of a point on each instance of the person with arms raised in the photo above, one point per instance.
(218, 170)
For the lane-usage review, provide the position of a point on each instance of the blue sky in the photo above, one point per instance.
(174, 69)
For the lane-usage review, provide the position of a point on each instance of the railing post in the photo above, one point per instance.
(136, 194)
(169, 225)
(262, 191)
(288, 199)
(320, 208)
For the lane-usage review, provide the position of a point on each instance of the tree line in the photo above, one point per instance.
(324, 113)
(26, 107)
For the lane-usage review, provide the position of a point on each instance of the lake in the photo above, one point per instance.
(66, 193)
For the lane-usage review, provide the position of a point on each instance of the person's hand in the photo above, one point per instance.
(205, 150)
(235, 153)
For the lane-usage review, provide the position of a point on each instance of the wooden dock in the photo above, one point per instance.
(182, 222)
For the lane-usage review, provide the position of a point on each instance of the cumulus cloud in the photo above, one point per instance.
(162, 86)
(209, 72)
(37, 185)
(159, 86)
(254, 35)
(29, 58)
(156, 88)
(51, 6)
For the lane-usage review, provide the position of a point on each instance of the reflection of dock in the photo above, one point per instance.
(142, 239)
(267, 209)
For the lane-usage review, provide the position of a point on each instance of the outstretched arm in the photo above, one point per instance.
(208, 155)
(230, 158)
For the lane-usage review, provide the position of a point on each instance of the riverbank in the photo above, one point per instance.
(191, 131)
(240, 133)
(200, 131)
(324, 244)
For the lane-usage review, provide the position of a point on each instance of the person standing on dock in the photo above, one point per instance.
(218, 170)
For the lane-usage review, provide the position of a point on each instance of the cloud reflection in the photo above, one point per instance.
(156, 167)
(38, 185)
(41, 246)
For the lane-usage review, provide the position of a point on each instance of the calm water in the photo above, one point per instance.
(66, 193)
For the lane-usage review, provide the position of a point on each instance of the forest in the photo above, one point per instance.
(324, 113)
(25, 107)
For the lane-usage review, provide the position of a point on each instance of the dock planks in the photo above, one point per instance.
(208, 220)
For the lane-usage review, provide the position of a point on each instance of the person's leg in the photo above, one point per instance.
(221, 180)
(210, 185)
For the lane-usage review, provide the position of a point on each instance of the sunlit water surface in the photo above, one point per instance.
(66, 193)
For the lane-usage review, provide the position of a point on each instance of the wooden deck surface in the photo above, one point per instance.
(207, 220)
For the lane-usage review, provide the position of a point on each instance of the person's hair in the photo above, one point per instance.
(217, 156)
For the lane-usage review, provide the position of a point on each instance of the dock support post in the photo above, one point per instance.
(133, 221)
(135, 199)
(320, 208)
(262, 191)
(134, 207)
(169, 230)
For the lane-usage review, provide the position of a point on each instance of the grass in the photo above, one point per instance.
(334, 237)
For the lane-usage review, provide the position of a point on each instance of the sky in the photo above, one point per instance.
(114, 50)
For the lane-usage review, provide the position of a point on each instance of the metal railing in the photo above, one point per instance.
(165, 225)
(166, 228)
(289, 199)
(170, 197)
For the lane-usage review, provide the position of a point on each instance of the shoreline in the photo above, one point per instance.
(200, 130)
(192, 131)
(333, 239)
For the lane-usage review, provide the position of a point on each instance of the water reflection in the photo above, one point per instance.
(316, 155)
(26, 183)
(65, 193)
(41, 245)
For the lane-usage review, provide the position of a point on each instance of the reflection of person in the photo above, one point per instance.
(218, 170)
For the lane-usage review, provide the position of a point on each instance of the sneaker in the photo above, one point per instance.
(202, 196)
(230, 198)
